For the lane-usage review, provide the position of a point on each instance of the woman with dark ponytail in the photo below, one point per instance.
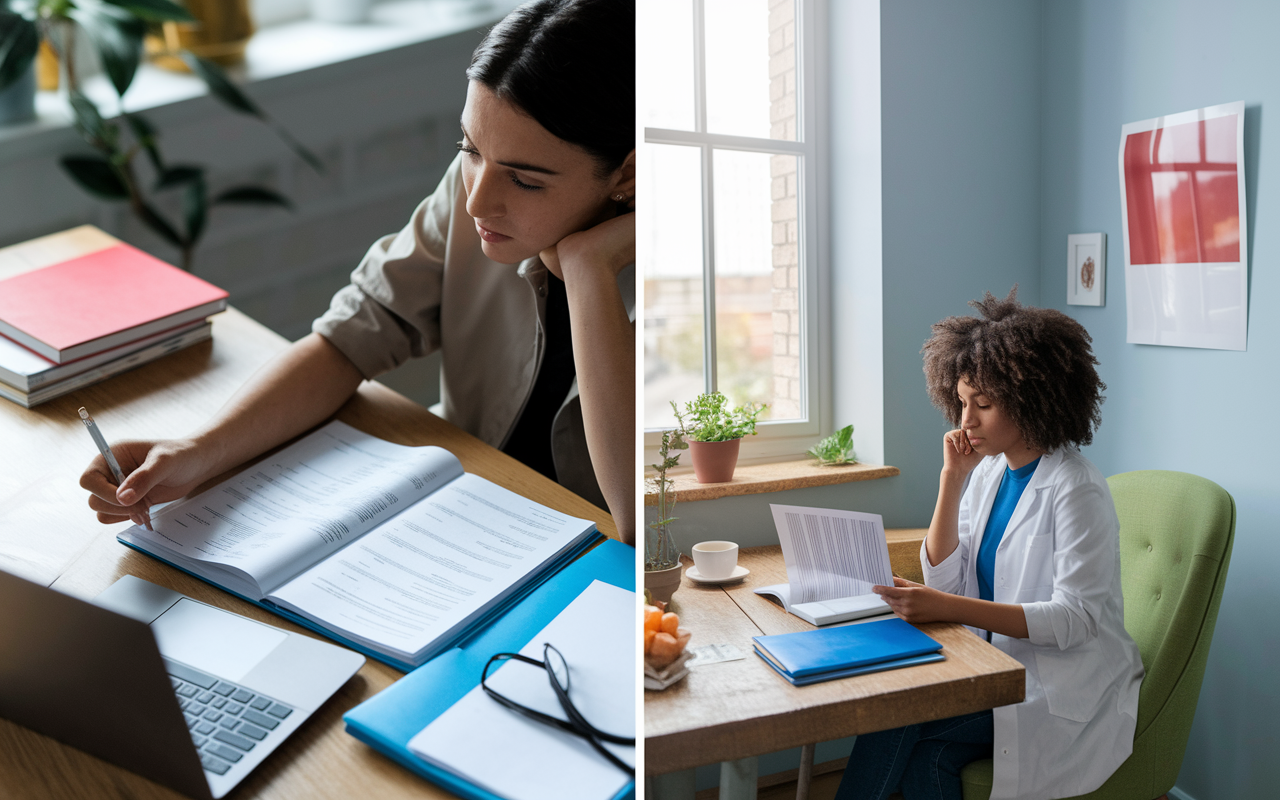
(519, 268)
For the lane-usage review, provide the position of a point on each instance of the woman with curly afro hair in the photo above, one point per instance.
(1024, 549)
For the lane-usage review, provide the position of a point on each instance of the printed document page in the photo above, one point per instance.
(433, 567)
(831, 554)
(514, 757)
(299, 505)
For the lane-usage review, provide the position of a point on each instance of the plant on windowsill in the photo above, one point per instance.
(836, 448)
(661, 556)
(116, 29)
(714, 433)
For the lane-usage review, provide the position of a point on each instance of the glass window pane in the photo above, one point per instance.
(751, 68)
(758, 323)
(664, 41)
(669, 248)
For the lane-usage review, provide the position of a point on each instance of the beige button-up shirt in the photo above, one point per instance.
(431, 287)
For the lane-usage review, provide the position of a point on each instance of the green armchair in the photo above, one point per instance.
(1176, 532)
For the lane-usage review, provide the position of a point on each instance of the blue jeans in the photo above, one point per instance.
(922, 761)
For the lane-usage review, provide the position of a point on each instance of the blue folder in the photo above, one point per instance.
(828, 653)
(545, 572)
(387, 721)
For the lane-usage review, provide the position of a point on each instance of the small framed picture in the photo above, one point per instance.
(1087, 269)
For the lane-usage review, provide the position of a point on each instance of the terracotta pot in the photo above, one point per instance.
(663, 583)
(714, 462)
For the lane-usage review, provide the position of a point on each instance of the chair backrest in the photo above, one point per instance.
(1176, 532)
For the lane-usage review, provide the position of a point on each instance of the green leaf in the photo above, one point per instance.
(177, 176)
(117, 36)
(836, 448)
(220, 86)
(146, 136)
(256, 195)
(158, 224)
(96, 176)
(90, 124)
(195, 209)
(154, 10)
(19, 41)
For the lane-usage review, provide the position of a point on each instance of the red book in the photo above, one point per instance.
(101, 300)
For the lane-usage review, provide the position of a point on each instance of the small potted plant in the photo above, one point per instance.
(661, 556)
(836, 448)
(714, 433)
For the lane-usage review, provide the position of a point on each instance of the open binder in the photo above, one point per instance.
(389, 720)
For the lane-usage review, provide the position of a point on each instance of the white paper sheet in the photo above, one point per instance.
(831, 553)
(520, 759)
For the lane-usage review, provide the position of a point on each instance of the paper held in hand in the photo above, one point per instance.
(833, 559)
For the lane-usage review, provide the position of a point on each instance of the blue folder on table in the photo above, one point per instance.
(387, 721)
(829, 653)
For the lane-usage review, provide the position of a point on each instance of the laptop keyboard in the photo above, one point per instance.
(226, 720)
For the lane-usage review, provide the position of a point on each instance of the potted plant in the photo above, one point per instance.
(714, 433)
(172, 200)
(836, 448)
(661, 556)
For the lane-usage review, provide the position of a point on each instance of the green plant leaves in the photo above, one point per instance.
(152, 219)
(711, 420)
(117, 36)
(90, 124)
(154, 10)
(146, 137)
(96, 176)
(255, 195)
(19, 42)
(836, 448)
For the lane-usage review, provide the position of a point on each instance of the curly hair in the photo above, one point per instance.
(1036, 364)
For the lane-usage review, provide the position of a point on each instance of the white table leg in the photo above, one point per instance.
(671, 786)
(738, 779)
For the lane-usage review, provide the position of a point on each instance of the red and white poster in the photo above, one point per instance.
(1183, 203)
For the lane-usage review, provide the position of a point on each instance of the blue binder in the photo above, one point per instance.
(387, 721)
(829, 653)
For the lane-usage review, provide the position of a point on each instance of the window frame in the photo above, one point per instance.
(789, 437)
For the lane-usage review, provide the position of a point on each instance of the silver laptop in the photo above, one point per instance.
(188, 695)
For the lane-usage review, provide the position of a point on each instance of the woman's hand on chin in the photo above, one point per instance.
(609, 246)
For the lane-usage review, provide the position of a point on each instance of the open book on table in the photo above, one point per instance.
(833, 559)
(391, 549)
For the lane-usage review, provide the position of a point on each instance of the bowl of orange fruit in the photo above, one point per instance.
(665, 647)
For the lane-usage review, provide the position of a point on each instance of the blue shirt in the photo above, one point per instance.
(1011, 486)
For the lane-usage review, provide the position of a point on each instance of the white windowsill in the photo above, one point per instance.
(280, 50)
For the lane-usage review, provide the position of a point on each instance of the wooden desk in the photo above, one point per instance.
(739, 709)
(48, 534)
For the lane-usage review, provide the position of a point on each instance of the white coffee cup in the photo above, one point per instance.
(715, 560)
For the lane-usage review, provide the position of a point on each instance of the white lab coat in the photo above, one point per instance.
(1060, 559)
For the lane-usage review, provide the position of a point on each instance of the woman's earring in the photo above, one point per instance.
(619, 197)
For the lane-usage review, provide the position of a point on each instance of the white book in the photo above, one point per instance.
(54, 380)
(392, 549)
(833, 559)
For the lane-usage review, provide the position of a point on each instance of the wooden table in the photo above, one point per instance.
(48, 534)
(737, 710)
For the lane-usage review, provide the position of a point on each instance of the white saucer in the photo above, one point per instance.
(739, 572)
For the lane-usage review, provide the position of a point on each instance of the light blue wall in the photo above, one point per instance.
(1105, 63)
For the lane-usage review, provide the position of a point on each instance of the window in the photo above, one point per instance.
(728, 251)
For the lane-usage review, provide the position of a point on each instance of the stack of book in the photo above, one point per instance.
(72, 324)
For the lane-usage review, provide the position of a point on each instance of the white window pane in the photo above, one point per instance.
(670, 252)
(664, 41)
(758, 324)
(751, 68)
